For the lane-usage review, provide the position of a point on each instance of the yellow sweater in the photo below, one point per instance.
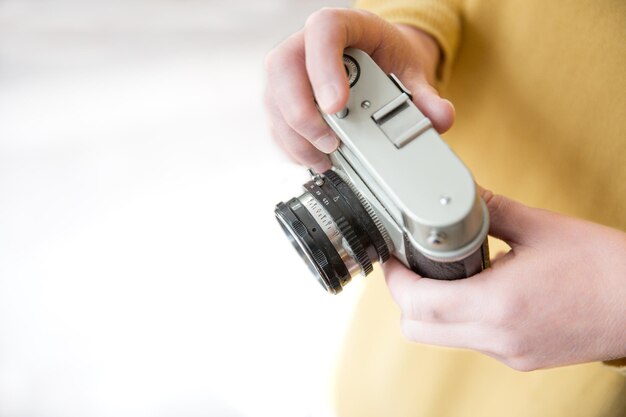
(540, 92)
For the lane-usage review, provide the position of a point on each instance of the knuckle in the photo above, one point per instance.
(407, 305)
(432, 312)
(497, 205)
(509, 310)
(300, 117)
(512, 347)
(284, 55)
(407, 330)
(426, 310)
(277, 59)
(270, 59)
(323, 16)
(302, 150)
(523, 364)
(403, 301)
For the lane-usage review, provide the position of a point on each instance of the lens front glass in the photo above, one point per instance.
(302, 251)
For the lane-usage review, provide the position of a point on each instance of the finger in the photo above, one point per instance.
(418, 74)
(440, 111)
(293, 97)
(270, 113)
(431, 300)
(456, 335)
(297, 147)
(300, 150)
(511, 221)
(327, 33)
(463, 336)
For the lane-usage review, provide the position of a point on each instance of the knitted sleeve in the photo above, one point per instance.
(618, 364)
(439, 18)
(442, 19)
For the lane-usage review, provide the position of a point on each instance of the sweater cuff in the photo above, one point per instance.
(618, 364)
(440, 19)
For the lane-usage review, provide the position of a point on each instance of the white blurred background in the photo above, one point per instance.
(141, 269)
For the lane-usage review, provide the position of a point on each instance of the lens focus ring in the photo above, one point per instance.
(328, 198)
(370, 226)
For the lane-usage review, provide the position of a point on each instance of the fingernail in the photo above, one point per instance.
(327, 143)
(326, 96)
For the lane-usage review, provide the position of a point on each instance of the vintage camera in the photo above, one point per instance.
(395, 188)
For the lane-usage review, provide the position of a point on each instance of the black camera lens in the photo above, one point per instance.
(334, 230)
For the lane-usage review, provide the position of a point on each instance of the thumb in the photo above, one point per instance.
(510, 220)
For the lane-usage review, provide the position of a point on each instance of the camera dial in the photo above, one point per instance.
(352, 69)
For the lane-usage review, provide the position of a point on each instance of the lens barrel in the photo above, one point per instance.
(333, 230)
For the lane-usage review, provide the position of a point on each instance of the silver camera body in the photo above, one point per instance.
(417, 192)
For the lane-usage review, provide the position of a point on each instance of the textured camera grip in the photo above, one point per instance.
(464, 268)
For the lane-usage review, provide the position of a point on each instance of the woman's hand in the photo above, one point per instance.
(308, 66)
(557, 298)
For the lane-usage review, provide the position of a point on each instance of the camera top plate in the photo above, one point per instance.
(397, 153)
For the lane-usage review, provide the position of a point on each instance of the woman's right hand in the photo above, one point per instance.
(308, 66)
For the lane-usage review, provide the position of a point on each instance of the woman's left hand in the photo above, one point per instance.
(558, 297)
